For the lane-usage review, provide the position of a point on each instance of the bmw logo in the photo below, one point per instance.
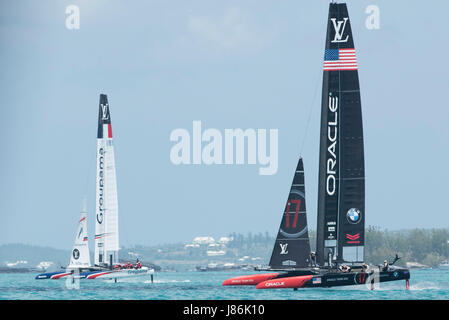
(354, 215)
(395, 274)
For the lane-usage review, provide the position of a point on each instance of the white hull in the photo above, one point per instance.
(100, 274)
(119, 274)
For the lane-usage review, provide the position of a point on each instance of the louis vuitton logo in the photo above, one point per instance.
(283, 248)
(105, 112)
(339, 27)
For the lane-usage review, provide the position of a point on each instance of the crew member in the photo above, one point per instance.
(313, 258)
(344, 268)
(385, 267)
(365, 267)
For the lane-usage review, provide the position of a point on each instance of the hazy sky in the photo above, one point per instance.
(230, 64)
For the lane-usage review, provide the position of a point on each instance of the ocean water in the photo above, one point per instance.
(424, 284)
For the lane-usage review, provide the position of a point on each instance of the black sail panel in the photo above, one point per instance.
(104, 116)
(341, 184)
(292, 247)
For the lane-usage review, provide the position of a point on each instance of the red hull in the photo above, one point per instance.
(288, 282)
(250, 280)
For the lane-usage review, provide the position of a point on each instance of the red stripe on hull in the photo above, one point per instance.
(280, 283)
(57, 276)
(95, 275)
(250, 280)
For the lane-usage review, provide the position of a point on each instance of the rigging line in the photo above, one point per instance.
(310, 113)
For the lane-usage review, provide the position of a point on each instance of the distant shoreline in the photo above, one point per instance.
(420, 247)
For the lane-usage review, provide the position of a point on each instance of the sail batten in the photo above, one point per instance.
(341, 185)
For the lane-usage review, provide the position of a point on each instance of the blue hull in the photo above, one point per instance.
(63, 274)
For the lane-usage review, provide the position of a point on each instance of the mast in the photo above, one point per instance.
(106, 222)
(292, 247)
(341, 184)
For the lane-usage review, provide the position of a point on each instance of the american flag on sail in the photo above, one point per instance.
(340, 59)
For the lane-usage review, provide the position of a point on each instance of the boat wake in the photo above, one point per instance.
(429, 285)
(168, 281)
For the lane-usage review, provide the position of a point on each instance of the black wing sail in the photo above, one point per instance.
(292, 247)
(341, 184)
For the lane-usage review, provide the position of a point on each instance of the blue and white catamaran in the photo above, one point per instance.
(106, 258)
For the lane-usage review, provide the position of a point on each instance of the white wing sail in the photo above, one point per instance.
(111, 203)
(80, 257)
(106, 222)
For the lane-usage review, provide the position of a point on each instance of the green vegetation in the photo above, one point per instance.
(426, 246)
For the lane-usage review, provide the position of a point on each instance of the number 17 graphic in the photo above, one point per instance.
(295, 219)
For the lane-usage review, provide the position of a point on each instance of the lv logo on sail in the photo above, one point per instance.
(105, 113)
(283, 248)
(339, 30)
